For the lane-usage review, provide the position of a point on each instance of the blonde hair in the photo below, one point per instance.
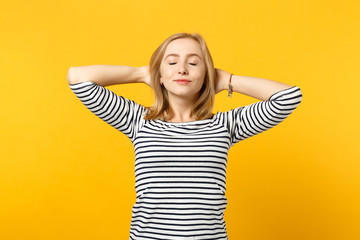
(203, 105)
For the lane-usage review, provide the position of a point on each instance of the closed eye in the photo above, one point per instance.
(192, 64)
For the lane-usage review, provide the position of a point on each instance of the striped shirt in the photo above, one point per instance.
(180, 168)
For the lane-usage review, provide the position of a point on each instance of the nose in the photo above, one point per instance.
(182, 69)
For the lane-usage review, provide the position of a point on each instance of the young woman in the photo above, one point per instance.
(180, 146)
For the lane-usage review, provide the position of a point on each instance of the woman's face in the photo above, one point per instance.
(183, 69)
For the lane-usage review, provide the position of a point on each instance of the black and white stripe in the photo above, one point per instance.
(180, 168)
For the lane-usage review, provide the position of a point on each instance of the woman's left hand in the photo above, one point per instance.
(222, 80)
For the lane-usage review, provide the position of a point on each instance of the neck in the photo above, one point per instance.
(182, 109)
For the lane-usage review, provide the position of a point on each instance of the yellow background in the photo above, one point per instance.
(66, 174)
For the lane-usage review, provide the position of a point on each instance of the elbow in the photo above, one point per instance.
(71, 77)
(300, 95)
(297, 98)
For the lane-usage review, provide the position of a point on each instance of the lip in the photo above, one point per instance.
(182, 81)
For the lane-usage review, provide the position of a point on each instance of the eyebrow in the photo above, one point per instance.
(177, 55)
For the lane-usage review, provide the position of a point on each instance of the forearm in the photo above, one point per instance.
(259, 88)
(105, 75)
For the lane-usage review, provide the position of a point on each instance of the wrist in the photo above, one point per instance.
(139, 75)
(230, 87)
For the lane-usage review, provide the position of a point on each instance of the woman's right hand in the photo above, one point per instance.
(145, 71)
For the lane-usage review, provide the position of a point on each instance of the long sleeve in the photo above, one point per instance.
(247, 121)
(123, 114)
